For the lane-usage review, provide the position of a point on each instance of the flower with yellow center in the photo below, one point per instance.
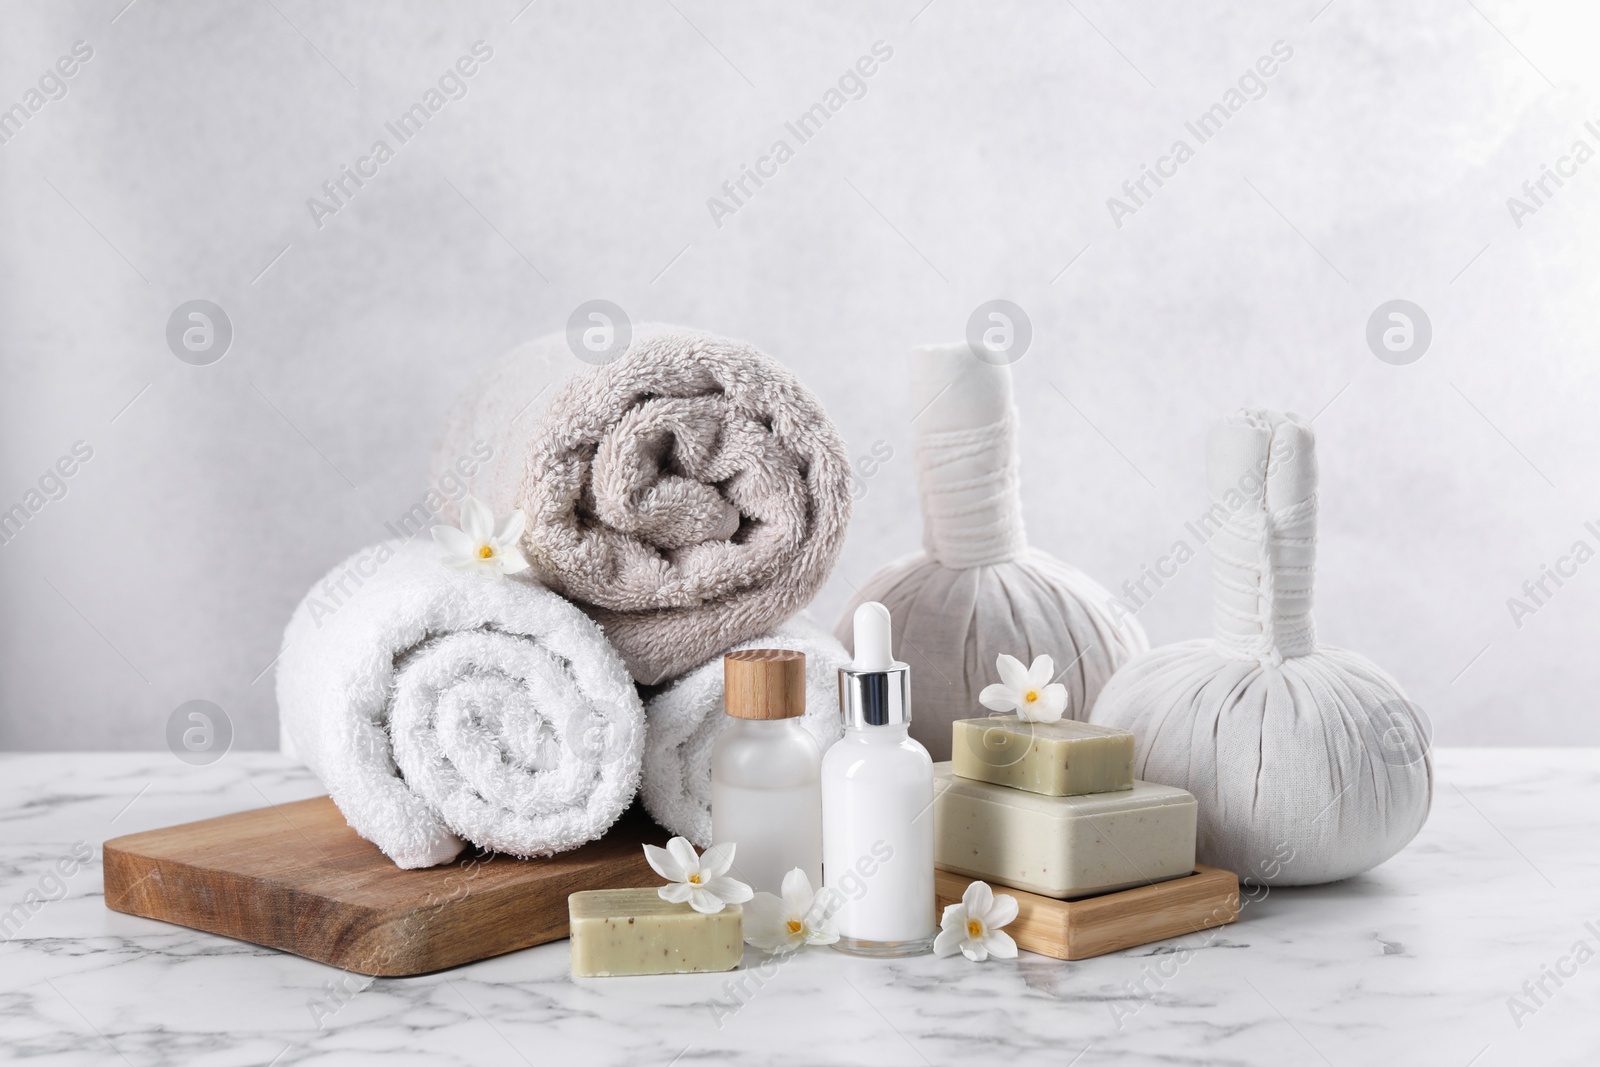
(481, 547)
(794, 920)
(1028, 691)
(972, 927)
(700, 880)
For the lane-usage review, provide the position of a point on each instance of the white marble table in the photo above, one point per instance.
(1414, 963)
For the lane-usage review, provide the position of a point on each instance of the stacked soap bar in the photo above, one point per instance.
(634, 931)
(1062, 846)
(1057, 759)
(1054, 809)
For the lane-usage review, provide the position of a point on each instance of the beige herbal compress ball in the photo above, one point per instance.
(1308, 762)
(978, 590)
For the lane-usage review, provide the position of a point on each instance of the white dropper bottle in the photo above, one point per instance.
(877, 805)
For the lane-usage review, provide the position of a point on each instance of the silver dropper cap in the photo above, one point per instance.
(875, 689)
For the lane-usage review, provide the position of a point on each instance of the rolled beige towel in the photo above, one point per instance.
(689, 495)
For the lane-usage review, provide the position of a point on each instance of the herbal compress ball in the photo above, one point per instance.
(1308, 762)
(978, 590)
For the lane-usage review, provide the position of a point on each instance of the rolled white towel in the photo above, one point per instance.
(438, 706)
(684, 718)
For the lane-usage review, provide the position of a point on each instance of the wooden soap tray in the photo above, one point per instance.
(1094, 926)
(296, 877)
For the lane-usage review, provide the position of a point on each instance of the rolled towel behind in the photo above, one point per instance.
(438, 706)
(684, 719)
(690, 495)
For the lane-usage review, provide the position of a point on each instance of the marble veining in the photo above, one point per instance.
(1416, 962)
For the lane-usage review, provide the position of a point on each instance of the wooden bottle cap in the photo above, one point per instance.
(764, 683)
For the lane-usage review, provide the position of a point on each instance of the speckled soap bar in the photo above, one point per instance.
(634, 931)
(1061, 847)
(1057, 759)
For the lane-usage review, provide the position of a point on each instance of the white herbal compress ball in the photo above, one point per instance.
(978, 590)
(1308, 762)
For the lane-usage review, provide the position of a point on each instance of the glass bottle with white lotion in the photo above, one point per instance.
(766, 795)
(877, 805)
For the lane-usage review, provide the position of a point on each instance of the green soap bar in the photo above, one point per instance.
(634, 931)
(1057, 759)
(1062, 847)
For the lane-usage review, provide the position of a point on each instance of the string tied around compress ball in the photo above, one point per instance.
(1263, 601)
(971, 500)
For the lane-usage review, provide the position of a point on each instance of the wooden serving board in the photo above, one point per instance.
(1094, 926)
(296, 877)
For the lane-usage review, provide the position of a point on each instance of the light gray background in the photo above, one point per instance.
(976, 166)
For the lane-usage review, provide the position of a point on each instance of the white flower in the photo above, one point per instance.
(799, 917)
(478, 547)
(701, 880)
(1027, 691)
(972, 927)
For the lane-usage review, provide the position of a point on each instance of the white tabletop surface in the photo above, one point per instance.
(1416, 962)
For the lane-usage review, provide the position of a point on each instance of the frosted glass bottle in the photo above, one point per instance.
(766, 792)
(877, 805)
